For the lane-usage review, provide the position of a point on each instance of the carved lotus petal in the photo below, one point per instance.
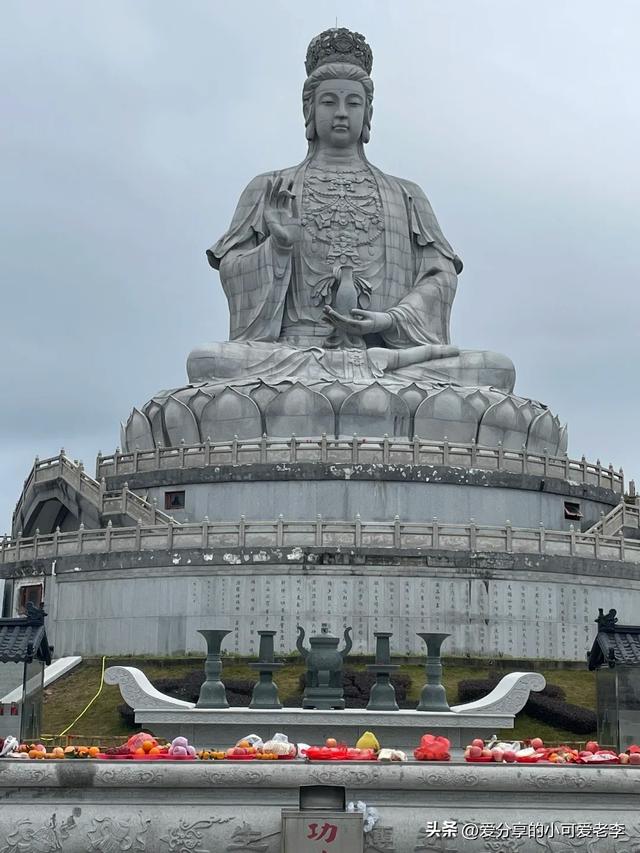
(503, 422)
(336, 393)
(138, 435)
(299, 411)
(413, 395)
(153, 410)
(231, 414)
(563, 441)
(447, 413)
(544, 434)
(180, 423)
(263, 394)
(198, 401)
(373, 412)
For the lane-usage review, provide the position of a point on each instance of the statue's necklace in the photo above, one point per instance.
(342, 209)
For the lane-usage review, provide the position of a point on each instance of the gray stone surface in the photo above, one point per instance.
(149, 601)
(306, 496)
(80, 806)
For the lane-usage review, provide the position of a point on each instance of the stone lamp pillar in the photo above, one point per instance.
(265, 693)
(212, 692)
(433, 696)
(383, 695)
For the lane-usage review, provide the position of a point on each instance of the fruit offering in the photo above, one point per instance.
(433, 748)
(333, 751)
(368, 741)
(480, 751)
(242, 751)
(279, 746)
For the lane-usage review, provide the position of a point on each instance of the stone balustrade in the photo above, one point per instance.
(361, 451)
(356, 534)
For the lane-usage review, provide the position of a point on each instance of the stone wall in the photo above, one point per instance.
(514, 605)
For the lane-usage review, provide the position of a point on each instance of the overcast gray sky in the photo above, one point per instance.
(130, 128)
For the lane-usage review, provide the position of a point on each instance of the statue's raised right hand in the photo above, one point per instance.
(281, 214)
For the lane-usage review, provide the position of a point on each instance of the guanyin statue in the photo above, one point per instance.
(333, 269)
(340, 285)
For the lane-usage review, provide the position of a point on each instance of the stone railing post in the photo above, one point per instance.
(416, 449)
(508, 536)
(107, 536)
(263, 448)
(445, 451)
(500, 456)
(542, 542)
(324, 450)
(397, 542)
(205, 532)
(385, 449)
(56, 534)
(474, 453)
(473, 534)
(524, 459)
(293, 448)
(242, 535)
(318, 539)
(35, 543)
(234, 450)
(80, 536)
(435, 533)
(358, 531)
(572, 539)
(138, 534)
(354, 449)
(170, 527)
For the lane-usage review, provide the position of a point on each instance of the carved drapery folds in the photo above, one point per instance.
(485, 416)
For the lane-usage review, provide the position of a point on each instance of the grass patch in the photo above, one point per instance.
(66, 698)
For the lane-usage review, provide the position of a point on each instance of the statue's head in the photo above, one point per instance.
(337, 96)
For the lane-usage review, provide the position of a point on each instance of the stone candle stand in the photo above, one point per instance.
(433, 696)
(383, 695)
(265, 693)
(212, 692)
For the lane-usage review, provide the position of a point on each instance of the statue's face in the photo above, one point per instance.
(339, 112)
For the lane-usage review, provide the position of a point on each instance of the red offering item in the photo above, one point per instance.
(433, 748)
(237, 757)
(529, 759)
(483, 759)
(327, 753)
(285, 757)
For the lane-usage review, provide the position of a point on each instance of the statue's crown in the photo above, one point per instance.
(339, 45)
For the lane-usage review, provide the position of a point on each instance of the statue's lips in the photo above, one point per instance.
(340, 127)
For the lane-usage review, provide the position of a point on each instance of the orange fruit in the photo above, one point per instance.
(139, 751)
(148, 745)
(93, 751)
(155, 750)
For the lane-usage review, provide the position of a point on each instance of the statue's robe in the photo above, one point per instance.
(417, 288)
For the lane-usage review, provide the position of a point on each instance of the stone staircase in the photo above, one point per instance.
(623, 519)
(59, 474)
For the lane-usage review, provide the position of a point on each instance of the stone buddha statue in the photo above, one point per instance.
(334, 269)
(340, 285)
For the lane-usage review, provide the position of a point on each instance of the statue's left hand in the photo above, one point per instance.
(360, 322)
